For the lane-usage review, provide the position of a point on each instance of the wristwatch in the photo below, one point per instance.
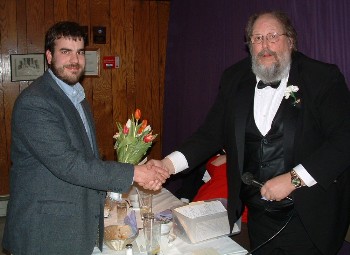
(295, 179)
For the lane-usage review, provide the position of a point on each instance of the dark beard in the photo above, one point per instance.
(59, 72)
(276, 72)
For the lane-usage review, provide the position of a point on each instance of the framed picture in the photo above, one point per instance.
(92, 62)
(27, 67)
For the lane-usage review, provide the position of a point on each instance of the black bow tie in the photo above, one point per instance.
(273, 85)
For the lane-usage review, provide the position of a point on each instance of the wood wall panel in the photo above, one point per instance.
(35, 28)
(154, 72)
(83, 18)
(21, 21)
(48, 13)
(163, 17)
(61, 9)
(22, 45)
(102, 88)
(4, 160)
(142, 87)
(129, 60)
(73, 11)
(136, 32)
(10, 90)
(4, 154)
(119, 48)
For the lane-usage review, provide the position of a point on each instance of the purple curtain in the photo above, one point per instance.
(206, 36)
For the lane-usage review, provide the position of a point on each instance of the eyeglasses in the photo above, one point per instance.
(271, 37)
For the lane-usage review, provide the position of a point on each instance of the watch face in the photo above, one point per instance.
(296, 182)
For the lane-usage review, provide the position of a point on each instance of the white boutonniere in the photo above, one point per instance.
(291, 91)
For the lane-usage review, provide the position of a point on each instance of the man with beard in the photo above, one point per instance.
(283, 118)
(58, 182)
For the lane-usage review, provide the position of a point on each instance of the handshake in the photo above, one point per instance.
(154, 173)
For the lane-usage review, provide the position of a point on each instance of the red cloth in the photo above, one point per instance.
(216, 187)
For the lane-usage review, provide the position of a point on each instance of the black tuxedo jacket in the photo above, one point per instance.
(316, 135)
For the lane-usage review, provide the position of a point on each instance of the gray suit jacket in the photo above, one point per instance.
(57, 181)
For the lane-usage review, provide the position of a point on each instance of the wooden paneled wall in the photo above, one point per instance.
(136, 32)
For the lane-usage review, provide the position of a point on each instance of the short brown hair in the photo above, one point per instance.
(66, 29)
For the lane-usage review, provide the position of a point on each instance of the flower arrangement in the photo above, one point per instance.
(290, 92)
(133, 139)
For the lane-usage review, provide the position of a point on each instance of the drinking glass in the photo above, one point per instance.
(122, 210)
(145, 202)
(152, 234)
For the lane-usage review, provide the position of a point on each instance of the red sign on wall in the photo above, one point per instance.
(110, 62)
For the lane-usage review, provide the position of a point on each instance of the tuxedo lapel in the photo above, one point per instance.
(243, 100)
(291, 115)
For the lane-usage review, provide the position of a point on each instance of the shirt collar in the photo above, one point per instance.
(75, 93)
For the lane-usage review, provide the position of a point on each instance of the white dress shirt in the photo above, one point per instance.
(266, 103)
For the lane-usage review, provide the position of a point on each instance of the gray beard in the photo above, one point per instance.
(276, 72)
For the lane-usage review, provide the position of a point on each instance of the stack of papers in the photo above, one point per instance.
(201, 221)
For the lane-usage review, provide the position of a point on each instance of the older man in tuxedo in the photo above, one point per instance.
(284, 118)
(58, 182)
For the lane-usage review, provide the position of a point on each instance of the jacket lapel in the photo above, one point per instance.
(70, 112)
(291, 115)
(91, 124)
(243, 100)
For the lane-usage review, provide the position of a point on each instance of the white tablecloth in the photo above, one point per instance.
(165, 200)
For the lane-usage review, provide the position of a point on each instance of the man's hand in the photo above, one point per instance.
(150, 177)
(278, 187)
(165, 164)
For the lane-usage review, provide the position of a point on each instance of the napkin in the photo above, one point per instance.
(130, 220)
(164, 216)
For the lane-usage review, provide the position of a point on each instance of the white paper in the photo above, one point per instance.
(222, 245)
(195, 210)
(206, 251)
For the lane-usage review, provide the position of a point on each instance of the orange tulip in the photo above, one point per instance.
(137, 114)
(143, 126)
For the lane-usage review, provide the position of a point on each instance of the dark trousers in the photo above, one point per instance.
(292, 240)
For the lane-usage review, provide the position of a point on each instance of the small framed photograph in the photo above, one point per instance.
(27, 67)
(92, 62)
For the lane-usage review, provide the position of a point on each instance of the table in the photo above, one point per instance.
(163, 200)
